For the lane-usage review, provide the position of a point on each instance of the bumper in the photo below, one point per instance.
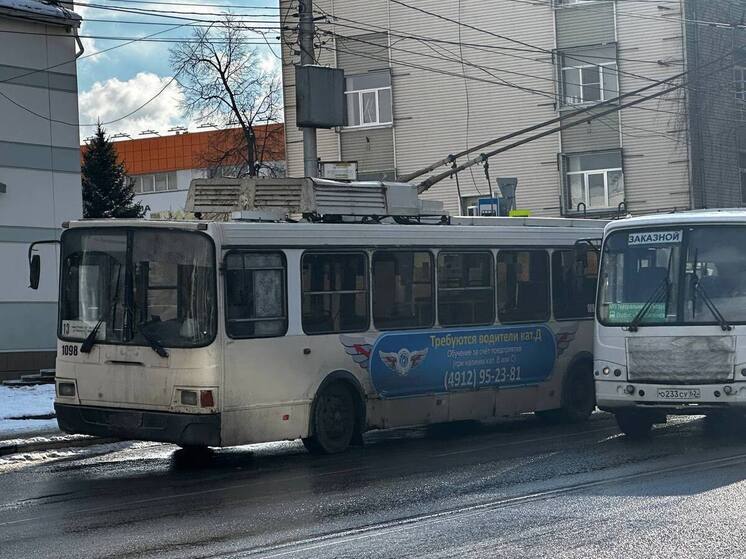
(611, 396)
(179, 428)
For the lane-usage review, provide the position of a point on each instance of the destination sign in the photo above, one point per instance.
(654, 238)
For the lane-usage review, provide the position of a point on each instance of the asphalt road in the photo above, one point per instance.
(517, 489)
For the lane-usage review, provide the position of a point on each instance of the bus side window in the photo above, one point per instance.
(523, 285)
(466, 293)
(574, 284)
(403, 295)
(255, 304)
(335, 292)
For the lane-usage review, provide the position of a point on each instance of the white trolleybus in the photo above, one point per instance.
(236, 332)
(671, 317)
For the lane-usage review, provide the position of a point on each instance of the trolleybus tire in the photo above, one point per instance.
(635, 424)
(333, 422)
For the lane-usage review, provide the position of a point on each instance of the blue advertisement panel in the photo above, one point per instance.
(426, 362)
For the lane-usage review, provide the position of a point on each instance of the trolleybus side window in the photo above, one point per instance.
(523, 285)
(574, 283)
(403, 295)
(466, 292)
(255, 305)
(335, 292)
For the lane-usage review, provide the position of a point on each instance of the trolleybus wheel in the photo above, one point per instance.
(634, 424)
(333, 421)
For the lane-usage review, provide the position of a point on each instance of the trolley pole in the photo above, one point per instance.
(306, 33)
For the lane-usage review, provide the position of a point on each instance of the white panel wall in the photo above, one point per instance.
(37, 196)
(656, 164)
(430, 108)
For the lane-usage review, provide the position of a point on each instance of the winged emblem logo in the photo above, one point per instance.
(565, 337)
(404, 360)
(358, 348)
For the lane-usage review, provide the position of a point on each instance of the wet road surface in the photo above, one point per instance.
(515, 489)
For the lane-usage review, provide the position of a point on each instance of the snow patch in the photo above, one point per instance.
(22, 402)
(47, 9)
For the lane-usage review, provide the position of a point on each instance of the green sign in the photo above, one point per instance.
(625, 312)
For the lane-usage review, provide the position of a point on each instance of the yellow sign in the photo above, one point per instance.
(519, 213)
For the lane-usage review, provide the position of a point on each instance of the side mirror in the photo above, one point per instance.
(34, 271)
(34, 262)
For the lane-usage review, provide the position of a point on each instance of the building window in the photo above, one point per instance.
(466, 293)
(742, 168)
(158, 182)
(369, 99)
(335, 292)
(403, 294)
(522, 285)
(594, 179)
(739, 84)
(255, 294)
(588, 83)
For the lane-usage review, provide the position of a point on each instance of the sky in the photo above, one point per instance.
(113, 83)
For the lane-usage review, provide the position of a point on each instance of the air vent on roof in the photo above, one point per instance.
(219, 198)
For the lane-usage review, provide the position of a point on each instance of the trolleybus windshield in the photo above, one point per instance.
(150, 287)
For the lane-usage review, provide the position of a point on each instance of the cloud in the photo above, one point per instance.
(270, 64)
(111, 99)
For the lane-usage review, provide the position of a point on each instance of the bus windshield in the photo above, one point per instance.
(680, 275)
(138, 285)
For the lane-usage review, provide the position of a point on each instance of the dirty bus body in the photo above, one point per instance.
(229, 333)
(671, 315)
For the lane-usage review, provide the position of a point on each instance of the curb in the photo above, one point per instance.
(72, 441)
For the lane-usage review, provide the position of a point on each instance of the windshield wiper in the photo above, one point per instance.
(153, 342)
(661, 289)
(90, 339)
(156, 345)
(710, 304)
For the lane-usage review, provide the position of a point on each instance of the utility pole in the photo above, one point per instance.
(306, 33)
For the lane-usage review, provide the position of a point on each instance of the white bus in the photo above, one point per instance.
(671, 317)
(229, 333)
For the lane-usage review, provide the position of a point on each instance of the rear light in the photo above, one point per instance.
(189, 397)
(66, 388)
(206, 399)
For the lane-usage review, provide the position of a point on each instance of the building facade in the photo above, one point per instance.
(39, 170)
(162, 167)
(427, 79)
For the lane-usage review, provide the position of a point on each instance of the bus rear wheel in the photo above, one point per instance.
(578, 398)
(635, 424)
(332, 421)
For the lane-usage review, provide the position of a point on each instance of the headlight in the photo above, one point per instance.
(66, 389)
(189, 397)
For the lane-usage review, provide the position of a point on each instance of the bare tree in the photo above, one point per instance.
(224, 84)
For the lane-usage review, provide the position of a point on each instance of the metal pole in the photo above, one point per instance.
(305, 38)
(458, 193)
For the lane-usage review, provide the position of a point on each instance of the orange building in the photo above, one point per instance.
(163, 166)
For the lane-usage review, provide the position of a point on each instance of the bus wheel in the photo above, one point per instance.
(333, 421)
(579, 395)
(634, 424)
(578, 398)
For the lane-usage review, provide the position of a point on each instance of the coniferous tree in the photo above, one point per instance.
(107, 190)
